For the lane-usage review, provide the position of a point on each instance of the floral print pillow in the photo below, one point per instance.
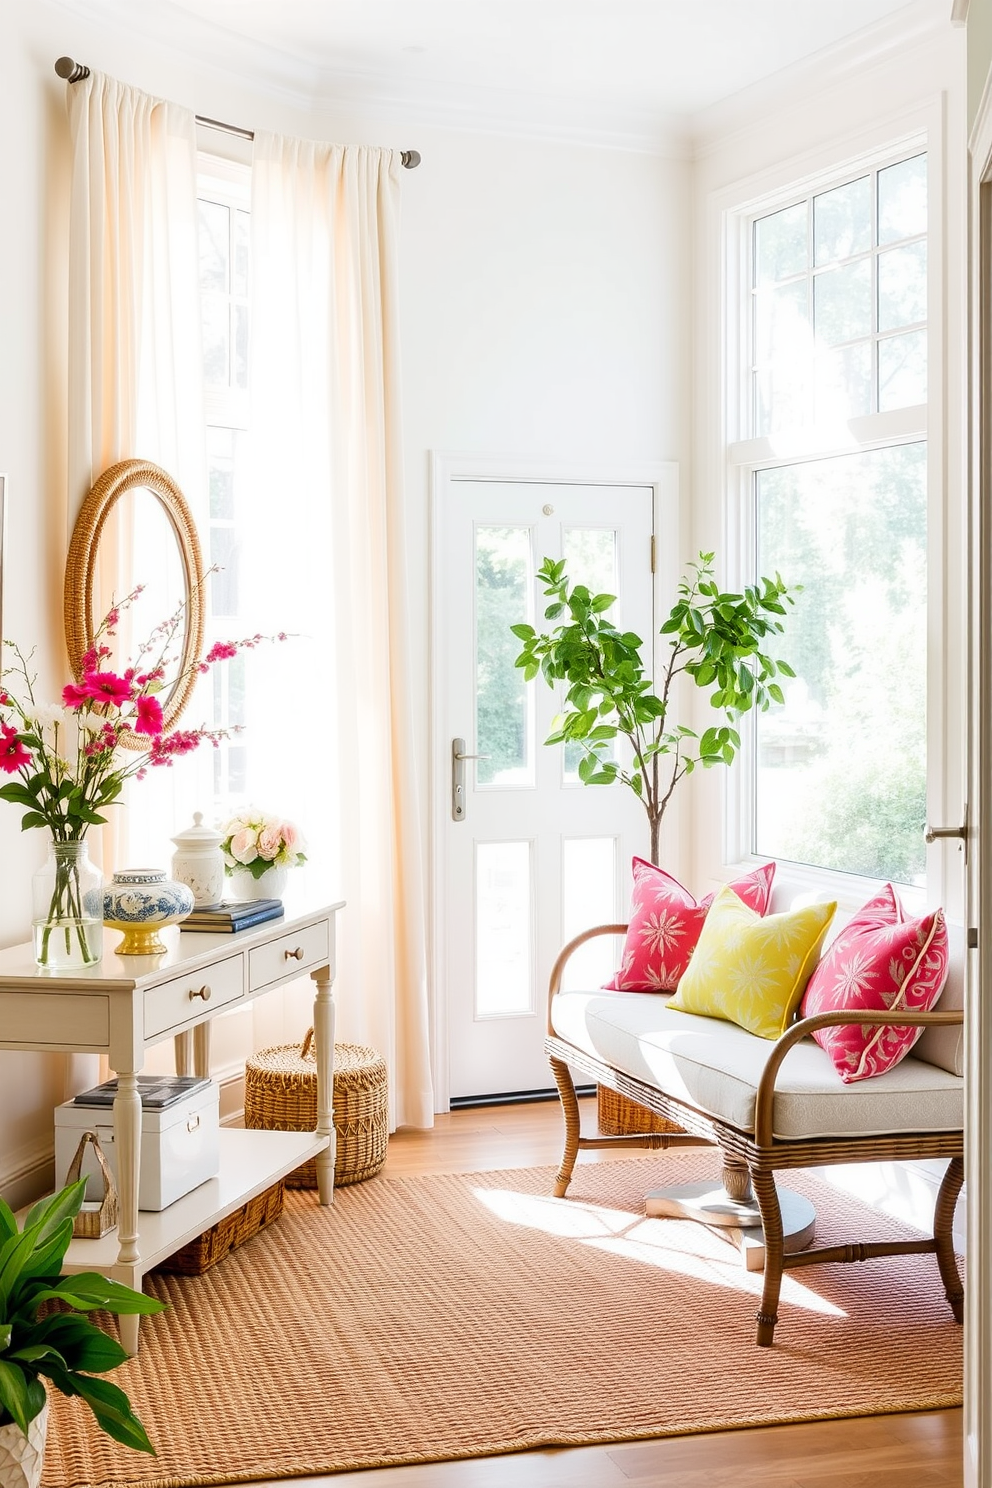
(665, 924)
(879, 960)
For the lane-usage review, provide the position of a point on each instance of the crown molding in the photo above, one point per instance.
(313, 92)
(910, 26)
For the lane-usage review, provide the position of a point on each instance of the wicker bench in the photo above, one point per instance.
(767, 1105)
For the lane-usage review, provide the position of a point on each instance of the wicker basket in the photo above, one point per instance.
(621, 1117)
(227, 1234)
(281, 1095)
(94, 1219)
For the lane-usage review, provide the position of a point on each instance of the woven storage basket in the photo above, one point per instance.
(227, 1234)
(621, 1117)
(281, 1095)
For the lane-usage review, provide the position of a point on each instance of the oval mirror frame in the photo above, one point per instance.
(80, 568)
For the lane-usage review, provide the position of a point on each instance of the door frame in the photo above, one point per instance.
(978, 978)
(446, 469)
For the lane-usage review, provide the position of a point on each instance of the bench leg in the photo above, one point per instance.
(570, 1111)
(766, 1193)
(943, 1220)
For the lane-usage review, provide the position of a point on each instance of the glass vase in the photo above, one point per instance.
(67, 908)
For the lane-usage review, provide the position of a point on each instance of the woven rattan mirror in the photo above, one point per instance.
(135, 484)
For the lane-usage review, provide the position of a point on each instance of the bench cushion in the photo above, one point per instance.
(715, 1066)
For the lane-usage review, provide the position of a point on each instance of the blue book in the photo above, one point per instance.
(228, 918)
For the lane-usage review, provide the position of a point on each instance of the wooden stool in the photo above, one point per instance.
(281, 1095)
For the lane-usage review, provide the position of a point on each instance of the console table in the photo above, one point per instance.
(124, 1005)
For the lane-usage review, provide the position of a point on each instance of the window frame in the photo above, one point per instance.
(742, 456)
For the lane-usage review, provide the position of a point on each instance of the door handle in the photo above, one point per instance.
(932, 834)
(458, 758)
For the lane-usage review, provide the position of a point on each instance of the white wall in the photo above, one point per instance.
(543, 312)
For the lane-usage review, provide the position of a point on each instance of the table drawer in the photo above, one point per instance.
(296, 951)
(178, 1002)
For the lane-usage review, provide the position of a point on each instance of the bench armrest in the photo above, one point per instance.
(792, 1035)
(567, 951)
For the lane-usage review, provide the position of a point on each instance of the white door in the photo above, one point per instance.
(527, 855)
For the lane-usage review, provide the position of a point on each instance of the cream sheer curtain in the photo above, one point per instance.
(135, 361)
(323, 557)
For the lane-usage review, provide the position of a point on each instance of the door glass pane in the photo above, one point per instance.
(902, 200)
(590, 555)
(503, 979)
(504, 724)
(842, 221)
(589, 897)
(841, 768)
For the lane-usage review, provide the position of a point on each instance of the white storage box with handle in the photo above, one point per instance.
(179, 1135)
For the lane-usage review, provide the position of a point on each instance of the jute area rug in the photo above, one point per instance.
(458, 1316)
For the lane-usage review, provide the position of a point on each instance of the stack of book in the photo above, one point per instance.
(222, 919)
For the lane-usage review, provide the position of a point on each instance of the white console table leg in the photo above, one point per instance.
(323, 1038)
(127, 1141)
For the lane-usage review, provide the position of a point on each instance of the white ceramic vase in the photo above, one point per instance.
(199, 863)
(22, 1457)
(242, 887)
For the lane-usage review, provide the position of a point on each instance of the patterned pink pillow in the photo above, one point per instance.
(665, 922)
(879, 960)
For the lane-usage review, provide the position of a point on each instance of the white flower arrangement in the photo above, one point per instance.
(256, 841)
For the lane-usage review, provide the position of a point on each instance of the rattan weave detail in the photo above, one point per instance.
(619, 1116)
(281, 1095)
(227, 1234)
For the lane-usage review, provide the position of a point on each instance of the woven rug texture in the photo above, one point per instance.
(431, 1318)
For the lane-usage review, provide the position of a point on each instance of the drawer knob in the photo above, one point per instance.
(203, 992)
(296, 955)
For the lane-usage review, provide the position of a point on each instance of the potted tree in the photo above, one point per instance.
(45, 1335)
(715, 638)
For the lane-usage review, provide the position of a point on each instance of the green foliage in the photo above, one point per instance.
(38, 1342)
(715, 638)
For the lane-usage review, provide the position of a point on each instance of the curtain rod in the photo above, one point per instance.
(74, 72)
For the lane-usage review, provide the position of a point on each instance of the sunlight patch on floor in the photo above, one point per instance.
(677, 1246)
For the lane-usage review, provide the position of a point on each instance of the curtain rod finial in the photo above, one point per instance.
(73, 72)
(410, 158)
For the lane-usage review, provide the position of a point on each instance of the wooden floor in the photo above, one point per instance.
(921, 1450)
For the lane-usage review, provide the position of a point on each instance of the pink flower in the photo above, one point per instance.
(74, 695)
(149, 716)
(221, 651)
(269, 842)
(290, 835)
(180, 741)
(244, 846)
(13, 754)
(107, 687)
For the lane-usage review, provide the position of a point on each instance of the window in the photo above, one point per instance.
(833, 482)
(224, 223)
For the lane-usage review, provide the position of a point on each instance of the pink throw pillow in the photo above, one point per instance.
(665, 923)
(879, 960)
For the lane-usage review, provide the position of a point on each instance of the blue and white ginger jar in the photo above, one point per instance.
(141, 902)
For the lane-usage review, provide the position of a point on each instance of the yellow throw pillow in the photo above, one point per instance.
(752, 970)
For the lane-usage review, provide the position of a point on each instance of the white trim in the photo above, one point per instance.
(859, 55)
(959, 12)
(446, 469)
(978, 975)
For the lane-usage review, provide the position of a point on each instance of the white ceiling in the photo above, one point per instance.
(629, 63)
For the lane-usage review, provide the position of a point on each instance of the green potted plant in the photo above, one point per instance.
(44, 1337)
(715, 638)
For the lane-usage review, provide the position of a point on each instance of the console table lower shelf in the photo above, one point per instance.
(250, 1162)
